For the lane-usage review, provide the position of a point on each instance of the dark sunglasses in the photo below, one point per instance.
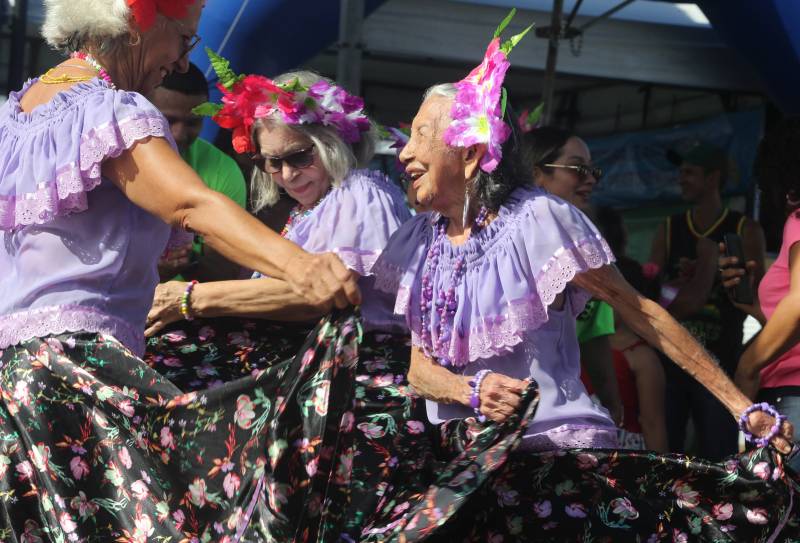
(273, 164)
(582, 170)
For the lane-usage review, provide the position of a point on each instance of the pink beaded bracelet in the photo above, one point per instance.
(187, 314)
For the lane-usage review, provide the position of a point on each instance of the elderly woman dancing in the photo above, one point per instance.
(221, 331)
(95, 445)
(490, 285)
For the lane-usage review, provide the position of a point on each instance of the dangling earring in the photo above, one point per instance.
(467, 201)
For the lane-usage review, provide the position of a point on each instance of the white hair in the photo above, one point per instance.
(70, 25)
(337, 156)
(448, 90)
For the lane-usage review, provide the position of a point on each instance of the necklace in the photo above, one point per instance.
(49, 79)
(297, 214)
(101, 72)
(446, 302)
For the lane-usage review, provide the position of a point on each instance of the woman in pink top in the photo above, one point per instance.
(769, 369)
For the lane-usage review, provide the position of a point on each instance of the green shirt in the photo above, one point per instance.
(219, 172)
(596, 320)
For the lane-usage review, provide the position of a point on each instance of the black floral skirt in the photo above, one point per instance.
(239, 431)
(394, 477)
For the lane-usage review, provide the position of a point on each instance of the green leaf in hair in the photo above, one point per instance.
(514, 40)
(293, 86)
(503, 102)
(207, 109)
(227, 77)
(505, 22)
(535, 115)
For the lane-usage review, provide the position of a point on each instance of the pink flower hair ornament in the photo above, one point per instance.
(480, 102)
(529, 120)
(246, 98)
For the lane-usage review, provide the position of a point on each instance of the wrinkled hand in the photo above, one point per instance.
(760, 424)
(500, 396)
(731, 274)
(166, 306)
(174, 261)
(322, 278)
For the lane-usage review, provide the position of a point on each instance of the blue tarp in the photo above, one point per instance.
(267, 36)
(767, 34)
(637, 172)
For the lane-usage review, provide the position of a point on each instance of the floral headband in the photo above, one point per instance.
(246, 98)
(529, 120)
(480, 101)
(145, 11)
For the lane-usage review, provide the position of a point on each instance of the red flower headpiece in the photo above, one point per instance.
(145, 11)
(246, 98)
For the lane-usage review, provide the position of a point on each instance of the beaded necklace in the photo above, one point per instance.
(297, 214)
(446, 302)
(101, 72)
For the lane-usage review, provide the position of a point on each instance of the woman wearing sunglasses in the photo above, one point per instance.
(311, 146)
(339, 208)
(562, 165)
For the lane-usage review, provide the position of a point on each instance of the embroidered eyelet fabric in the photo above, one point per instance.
(516, 267)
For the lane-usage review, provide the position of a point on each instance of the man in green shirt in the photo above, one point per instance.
(176, 97)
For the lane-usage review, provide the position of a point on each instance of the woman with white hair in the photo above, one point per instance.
(314, 148)
(94, 445)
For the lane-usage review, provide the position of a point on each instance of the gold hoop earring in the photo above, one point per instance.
(138, 40)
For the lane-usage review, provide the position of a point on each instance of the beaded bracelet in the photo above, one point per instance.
(774, 431)
(185, 300)
(475, 398)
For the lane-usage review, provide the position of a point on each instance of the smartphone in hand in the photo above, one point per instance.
(743, 292)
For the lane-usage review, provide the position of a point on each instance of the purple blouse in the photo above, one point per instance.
(355, 220)
(76, 255)
(515, 268)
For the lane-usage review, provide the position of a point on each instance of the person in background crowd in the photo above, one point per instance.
(562, 165)
(685, 249)
(640, 374)
(176, 97)
(769, 369)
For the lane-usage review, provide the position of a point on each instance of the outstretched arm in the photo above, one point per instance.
(263, 298)
(156, 179)
(652, 323)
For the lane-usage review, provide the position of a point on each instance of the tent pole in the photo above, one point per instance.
(16, 64)
(351, 23)
(548, 87)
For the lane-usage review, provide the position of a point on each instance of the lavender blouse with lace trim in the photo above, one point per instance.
(355, 221)
(516, 267)
(76, 254)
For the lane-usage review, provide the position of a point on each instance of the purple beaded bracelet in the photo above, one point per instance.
(774, 431)
(185, 310)
(475, 398)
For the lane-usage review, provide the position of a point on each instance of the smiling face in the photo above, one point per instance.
(162, 49)
(568, 183)
(436, 171)
(308, 184)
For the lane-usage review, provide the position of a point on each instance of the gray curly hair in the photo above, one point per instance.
(337, 156)
(71, 25)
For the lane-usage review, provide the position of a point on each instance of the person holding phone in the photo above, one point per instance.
(685, 250)
(769, 370)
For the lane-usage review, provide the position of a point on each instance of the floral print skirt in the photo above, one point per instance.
(247, 431)
(394, 477)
